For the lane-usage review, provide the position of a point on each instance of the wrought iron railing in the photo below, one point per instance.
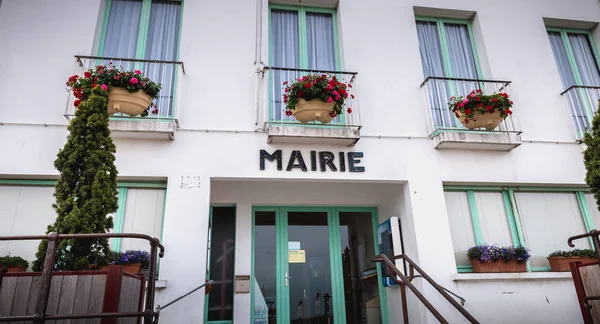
(274, 109)
(167, 73)
(406, 282)
(439, 90)
(583, 104)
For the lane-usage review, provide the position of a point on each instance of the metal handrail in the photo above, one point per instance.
(307, 70)
(40, 315)
(405, 281)
(79, 57)
(463, 79)
(208, 283)
(579, 87)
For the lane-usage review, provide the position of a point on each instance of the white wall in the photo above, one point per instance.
(217, 138)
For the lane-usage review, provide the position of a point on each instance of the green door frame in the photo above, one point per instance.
(333, 223)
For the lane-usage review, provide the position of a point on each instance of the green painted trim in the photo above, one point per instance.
(283, 295)
(119, 218)
(336, 41)
(474, 49)
(539, 269)
(104, 28)
(26, 182)
(208, 253)
(551, 189)
(336, 266)
(142, 184)
(438, 131)
(253, 245)
(383, 300)
(464, 268)
(473, 188)
(475, 218)
(140, 51)
(302, 39)
(514, 235)
(425, 18)
(588, 220)
(446, 54)
(518, 223)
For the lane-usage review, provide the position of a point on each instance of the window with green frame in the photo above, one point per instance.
(447, 50)
(144, 29)
(299, 38)
(541, 219)
(578, 65)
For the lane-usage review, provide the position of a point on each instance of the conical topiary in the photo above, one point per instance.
(87, 190)
(591, 158)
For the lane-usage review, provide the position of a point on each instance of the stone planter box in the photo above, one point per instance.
(498, 266)
(561, 264)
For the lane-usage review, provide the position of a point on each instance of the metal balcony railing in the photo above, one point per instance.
(583, 104)
(439, 90)
(167, 73)
(275, 108)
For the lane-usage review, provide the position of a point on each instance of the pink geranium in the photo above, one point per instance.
(104, 87)
(134, 80)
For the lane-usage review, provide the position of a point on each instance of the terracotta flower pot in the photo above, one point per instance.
(130, 103)
(498, 266)
(133, 268)
(314, 109)
(488, 121)
(561, 264)
(14, 269)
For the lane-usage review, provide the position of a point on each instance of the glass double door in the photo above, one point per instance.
(302, 264)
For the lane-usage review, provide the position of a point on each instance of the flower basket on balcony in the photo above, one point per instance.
(13, 264)
(492, 258)
(560, 260)
(478, 110)
(316, 98)
(129, 91)
(132, 261)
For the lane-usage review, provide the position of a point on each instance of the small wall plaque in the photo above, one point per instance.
(242, 284)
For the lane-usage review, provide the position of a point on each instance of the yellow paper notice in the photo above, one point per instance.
(296, 256)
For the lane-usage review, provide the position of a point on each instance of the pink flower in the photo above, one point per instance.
(134, 81)
(462, 104)
(337, 95)
(465, 101)
(143, 84)
(329, 100)
(137, 72)
(329, 87)
(104, 87)
(511, 102)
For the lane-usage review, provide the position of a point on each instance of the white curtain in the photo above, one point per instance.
(432, 62)
(462, 59)
(584, 58)
(562, 60)
(161, 44)
(285, 53)
(122, 29)
(320, 41)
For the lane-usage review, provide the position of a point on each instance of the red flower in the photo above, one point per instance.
(332, 114)
(76, 103)
(324, 75)
(477, 98)
(300, 94)
(350, 85)
(457, 116)
(478, 91)
(285, 99)
(117, 77)
(87, 74)
(349, 110)
(508, 112)
(352, 96)
(285, 83)
(511, 102)
(93, 85)
(308, 85)
(286, 89)
(479, 105)
(468, 111)
(288, 113)
(489, 108)
(495, 99)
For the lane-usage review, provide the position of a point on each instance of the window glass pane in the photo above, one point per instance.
(593, 207)
(549, 219)
(265, 265)
(585, 60)
(222, 260)
(285, 39)
(144, 215)
(562, 60)
(492, 218)
(320, 41)
(462, 59)
(430, 49)
(122, 29)
(461, 225)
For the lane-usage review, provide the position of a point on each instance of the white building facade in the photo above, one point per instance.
(294, 242)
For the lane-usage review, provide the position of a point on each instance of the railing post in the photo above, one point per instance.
(151, 282)
(42, 298)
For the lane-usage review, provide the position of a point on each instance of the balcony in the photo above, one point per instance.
(343, 130)
(583, 104)
(445, 129)
(164, 121)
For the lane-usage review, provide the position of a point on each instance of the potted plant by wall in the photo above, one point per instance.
(316, 98)
(492, 258)
(129, 92)
(559, 260)
(132, 261)
(13, 263)
(478, 110)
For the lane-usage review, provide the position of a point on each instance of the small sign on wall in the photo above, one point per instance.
(293, 246)
(242, 284)
(296, 256)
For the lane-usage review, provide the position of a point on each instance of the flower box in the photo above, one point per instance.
(13, 264)
(14, 269)
(133, 268)
(314, 109)
(478, 110)
(498, 266)
(561, 264)
(489, 121)
(125, 102)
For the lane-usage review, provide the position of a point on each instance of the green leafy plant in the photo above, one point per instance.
(86, 192)
(130, 257)
(13, 262)
(582, 253)
(108, 77)
(321, 87)
(591, 158)
(481, 103)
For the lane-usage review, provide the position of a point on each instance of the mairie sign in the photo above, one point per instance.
(319, 160)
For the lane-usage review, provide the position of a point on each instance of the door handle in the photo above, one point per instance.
(286, 279)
